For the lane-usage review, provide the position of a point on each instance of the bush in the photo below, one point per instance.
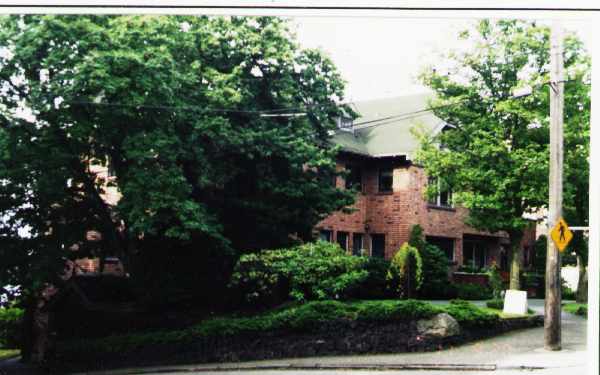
(10, 327)
(469, 315)
(497, 304)
(314, 271)
(405, 274)
(435, 267)
(473, 291)
(576, 308)
(375, 286)
(435, 274)
(567, 293)
(299, 318)
(495, 281)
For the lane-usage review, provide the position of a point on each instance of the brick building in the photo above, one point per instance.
(377, 150)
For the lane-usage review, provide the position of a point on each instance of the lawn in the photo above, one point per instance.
(576, 308)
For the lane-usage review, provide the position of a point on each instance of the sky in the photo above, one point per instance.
(382, 57)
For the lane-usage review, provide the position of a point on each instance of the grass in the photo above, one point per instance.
(576, 308)
(8, 353)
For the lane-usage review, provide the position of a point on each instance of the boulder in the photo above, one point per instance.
(440, 326)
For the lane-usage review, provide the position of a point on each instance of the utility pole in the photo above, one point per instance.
(552, 308)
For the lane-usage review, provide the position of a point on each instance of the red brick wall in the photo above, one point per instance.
(393, 214)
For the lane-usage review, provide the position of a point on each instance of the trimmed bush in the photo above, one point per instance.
(10, 327)
(497, 304)
(435, 267)
(473, 292)
(314, 271)
(375, 286)
(405, 274)
(469, 315)
(576, 308)
(495, 281)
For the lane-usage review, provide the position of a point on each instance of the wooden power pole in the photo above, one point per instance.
(552, 308)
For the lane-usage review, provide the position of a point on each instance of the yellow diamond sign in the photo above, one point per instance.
(561, 234)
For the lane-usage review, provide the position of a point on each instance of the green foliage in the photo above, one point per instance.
(472, 291)
(495, 281)
(375, 286)
(469, 315)
(174, 104)
(580, 309)
(497, 304)
(435, 267)
(10, 327)
(405, 274)
(314, 271)
(303, 318)
(566, 292)
(495, 158)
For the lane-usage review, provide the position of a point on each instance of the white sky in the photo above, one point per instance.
(381, 57)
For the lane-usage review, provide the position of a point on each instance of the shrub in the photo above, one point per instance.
(375, 285)
(435, 267)
(497, 304)
(495, 281)
(469, 315)
(405, 274)
(576, 308)
(473, 292)
(10, 327)
(567, 293)
(314, 271)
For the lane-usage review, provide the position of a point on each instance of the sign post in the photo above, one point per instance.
(552, 308)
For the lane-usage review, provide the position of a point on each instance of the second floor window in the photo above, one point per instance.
(354, 177)
(442, 196)
(386, 180)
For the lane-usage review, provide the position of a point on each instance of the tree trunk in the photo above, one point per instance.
(515, 261)
(582, 284)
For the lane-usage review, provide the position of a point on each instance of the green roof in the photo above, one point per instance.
(383, 127)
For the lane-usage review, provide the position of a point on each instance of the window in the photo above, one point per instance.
(328, 177)
(357, 243)
(474, 254)
(444, 244)
(386, 180)
(342, 240)
(325, 235)
(443, 196)
(344, 122)
(378, 245)
(354, 177)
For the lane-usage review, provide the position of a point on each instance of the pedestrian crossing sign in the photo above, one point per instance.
(561, 234)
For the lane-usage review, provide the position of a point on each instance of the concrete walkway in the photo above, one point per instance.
(512, 353)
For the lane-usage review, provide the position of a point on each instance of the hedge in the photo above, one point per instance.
(10, 324)
(293, 318)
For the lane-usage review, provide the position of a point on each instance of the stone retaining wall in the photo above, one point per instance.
(332, 338)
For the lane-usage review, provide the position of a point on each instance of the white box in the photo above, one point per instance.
(515, 302)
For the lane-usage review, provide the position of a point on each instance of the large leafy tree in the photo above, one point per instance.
(496, 157)
(192, 114)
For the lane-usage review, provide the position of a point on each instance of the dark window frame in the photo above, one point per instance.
(353, 179)
(337, 239)
(388, 186)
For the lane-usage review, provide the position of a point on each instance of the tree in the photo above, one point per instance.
(176, 106)
(435, 266)
(496, 157)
